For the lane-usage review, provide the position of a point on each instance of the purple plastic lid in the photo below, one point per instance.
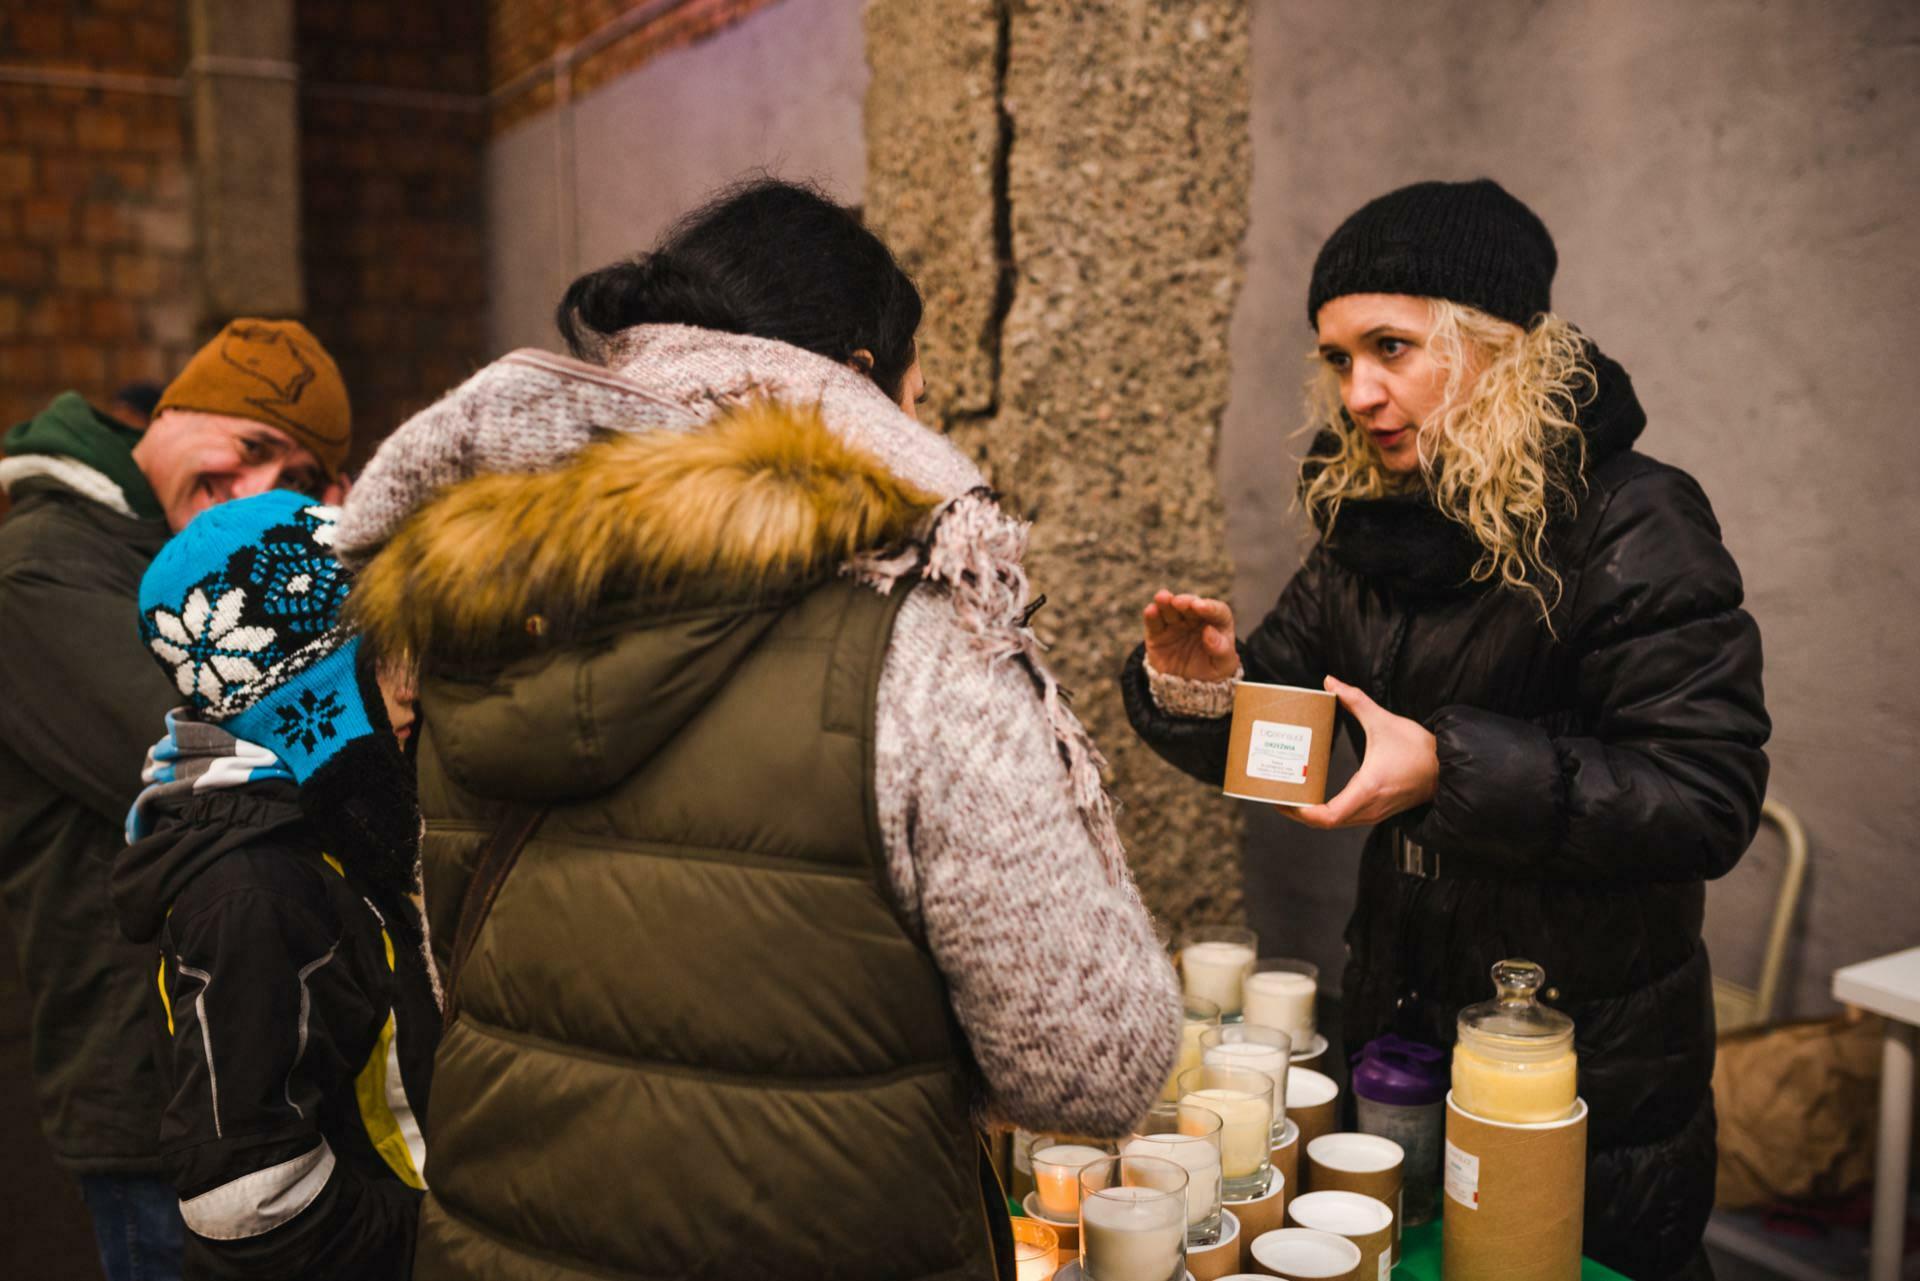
(1391, 1069)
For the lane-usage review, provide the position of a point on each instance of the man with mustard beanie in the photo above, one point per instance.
(260, 407)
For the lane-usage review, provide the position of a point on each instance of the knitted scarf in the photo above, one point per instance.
(196, 756)
(530, 411)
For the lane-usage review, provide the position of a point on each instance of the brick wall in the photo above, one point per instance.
(393, 198)
(524, 33)
(96, 221)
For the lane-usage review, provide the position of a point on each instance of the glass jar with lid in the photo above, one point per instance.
(1514, 1061)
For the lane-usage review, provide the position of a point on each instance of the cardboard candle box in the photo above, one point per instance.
(1286, 1155)
(1515, 1197)
(1261, 1214)
(1222, 1258)
(1281, 744)
(1365, 1163)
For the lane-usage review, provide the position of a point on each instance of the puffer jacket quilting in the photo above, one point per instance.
(1591, 778)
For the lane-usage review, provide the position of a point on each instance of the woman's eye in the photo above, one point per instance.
(1391, 347)
(1336, 361)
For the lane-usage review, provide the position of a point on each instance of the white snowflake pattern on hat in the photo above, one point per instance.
(206, 648)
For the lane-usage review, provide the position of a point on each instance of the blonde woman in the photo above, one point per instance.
(1536, 633)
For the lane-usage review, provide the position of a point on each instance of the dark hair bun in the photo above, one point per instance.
(773, 259)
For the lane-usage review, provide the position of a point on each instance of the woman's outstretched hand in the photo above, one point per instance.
(1400, 770)
(1191, 636)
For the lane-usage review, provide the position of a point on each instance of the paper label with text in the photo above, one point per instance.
(1463, 1176)
(1278, 752)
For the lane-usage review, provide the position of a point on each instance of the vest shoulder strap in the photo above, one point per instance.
(498, 853)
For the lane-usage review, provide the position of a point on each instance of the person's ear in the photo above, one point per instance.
(861, 361)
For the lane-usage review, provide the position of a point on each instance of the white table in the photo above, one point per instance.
(1889, 986)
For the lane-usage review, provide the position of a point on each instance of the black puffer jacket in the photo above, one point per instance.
(1591, 780)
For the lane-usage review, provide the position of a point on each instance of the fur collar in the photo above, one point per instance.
(762, 500)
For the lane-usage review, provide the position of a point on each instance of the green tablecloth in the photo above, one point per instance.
(1420, 1258)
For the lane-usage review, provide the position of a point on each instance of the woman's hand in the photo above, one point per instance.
(1400, 770)
(1191, 636)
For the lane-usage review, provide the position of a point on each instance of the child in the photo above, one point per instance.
(271, 860)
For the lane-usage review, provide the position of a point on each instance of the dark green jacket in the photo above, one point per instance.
(80, 703)
(694, 1040)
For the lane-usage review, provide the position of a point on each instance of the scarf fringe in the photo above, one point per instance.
(974, 549)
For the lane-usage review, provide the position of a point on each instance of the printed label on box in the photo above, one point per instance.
(1278, 752)
(1463, 1176)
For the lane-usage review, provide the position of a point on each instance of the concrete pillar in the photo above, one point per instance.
(1073, 199)
(243, 95)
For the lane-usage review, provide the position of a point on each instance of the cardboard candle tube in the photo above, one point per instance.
(1067, 1230)
(1313, 1103)
(1282, 741)
(1286, 1153)
(1222, 1258)
(1361, 1220)
(1261, 1213)
(1302, 1254)
(1515, 1196)
(1364, 1163)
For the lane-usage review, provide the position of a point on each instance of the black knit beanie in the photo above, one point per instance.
(1467, 242)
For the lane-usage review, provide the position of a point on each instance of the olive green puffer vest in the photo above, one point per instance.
(693, 1038)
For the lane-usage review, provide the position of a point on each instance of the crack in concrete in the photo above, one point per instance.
(992, 333)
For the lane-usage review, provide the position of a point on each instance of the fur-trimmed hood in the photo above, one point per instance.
(568, 622)
(573, 555)
(759, 502)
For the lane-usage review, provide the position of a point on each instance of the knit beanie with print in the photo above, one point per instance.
(241, 610)
(273, 372)
(1468, 242)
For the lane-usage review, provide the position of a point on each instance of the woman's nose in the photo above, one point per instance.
(1365, 391)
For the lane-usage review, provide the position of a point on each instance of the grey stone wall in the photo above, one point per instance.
(1732, 190)
(779, 93)
(1105, 240)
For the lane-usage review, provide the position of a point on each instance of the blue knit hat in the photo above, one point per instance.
(241, 610)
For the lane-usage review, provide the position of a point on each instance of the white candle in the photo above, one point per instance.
(1190, 1033)
(1032, 1262)
(1200, 1157)
(1282, 999)
(1246, 1129)
(1056, 1177)
(1270, 1059)
(1128, 1234)
(1213, 971)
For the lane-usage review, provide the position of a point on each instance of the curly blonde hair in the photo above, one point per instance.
(1500, 457)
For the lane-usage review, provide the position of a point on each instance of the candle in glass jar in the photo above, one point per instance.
(1246, 1129)
(1282, 999)
(1214, 971)
(1198, 1156)
(1036, 1250)
(1127, 1234)
(1190, 1033)
(1056, 1177)
(1270, 1059)
(1518, 1091)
